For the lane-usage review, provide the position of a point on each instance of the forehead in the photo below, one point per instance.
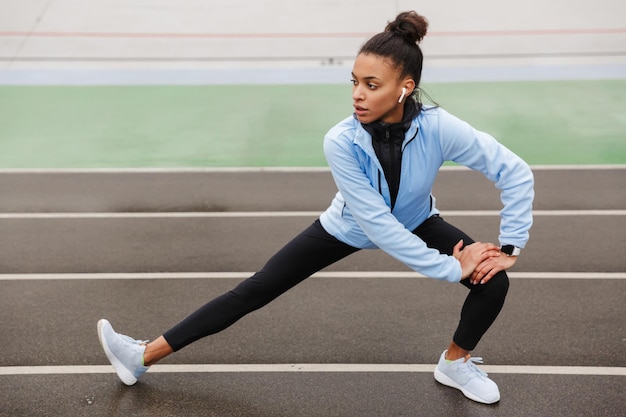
(376, 66)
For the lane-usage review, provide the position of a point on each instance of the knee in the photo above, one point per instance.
(498, 285)
(258, 289)
(250, 289)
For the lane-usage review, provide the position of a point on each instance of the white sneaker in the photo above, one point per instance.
(464, 375)
(124, 353)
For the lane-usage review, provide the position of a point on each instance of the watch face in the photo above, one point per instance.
(510, 250)
(507, 249)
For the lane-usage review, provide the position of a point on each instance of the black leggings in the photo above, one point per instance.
(313, 250)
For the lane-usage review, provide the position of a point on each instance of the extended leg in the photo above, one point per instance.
(307, 253)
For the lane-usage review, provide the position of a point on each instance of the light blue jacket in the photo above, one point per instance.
(360, 214)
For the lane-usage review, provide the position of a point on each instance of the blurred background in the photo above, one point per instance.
(164, 83)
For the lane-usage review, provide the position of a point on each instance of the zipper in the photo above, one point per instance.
(390, 152)
(392, 163)
(410, 140)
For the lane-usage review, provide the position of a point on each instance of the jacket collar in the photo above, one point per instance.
(363, 137)
(377, 128)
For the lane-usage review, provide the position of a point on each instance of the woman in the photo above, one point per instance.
(384, 160)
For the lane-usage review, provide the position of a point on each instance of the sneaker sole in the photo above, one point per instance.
(124, 374)
(446, 380)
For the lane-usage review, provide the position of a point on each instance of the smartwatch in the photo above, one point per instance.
(510, 250)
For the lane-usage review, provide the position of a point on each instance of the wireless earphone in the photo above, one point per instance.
(403, 94)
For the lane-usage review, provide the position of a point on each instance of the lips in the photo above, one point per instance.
(359, 110)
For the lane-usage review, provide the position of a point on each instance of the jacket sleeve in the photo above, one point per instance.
(374, 217)
(479, 151)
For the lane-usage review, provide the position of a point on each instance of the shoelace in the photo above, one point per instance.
(131, 341)
(472, 368)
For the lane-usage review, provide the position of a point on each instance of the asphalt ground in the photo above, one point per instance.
(145, 248)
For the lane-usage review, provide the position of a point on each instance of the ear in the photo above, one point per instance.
(409, 84)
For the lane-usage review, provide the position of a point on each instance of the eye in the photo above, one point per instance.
(372, 86)
(353, 81)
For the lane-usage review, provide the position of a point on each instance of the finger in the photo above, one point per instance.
(457, 247)
(473, 277)
(483, 257)
(490, 275)
(490, 254)
(487, 277)
(480, 271)
(490, 247)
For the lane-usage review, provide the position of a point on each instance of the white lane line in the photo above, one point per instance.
(577, 167)
(256, 214)
(268, 169)
(313, 367)
(333, 275)
(147, 215)
(192, 170)
(537, 213)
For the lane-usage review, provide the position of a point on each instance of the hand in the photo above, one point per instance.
(474, 255)
(491, 266)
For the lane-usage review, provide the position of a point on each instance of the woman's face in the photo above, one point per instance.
(377, 88)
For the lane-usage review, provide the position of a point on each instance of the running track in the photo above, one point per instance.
(144, 248)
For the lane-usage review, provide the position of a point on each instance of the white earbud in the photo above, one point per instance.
(403, 94)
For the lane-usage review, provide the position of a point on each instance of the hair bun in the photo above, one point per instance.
(410, 26)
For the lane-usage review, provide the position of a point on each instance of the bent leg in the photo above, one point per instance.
(484, 301)
(481, 308)
(309, 252)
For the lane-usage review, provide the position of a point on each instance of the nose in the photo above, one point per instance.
(357, 93)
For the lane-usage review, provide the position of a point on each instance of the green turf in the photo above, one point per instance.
(568, 122)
